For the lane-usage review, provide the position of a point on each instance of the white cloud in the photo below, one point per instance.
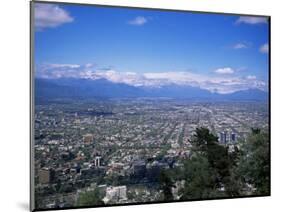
(251, 77)
(61, 70)
(89, 65)
(264, 48)
(50, 15)
(64, 66)
(240, 46)
(251, 20)
(214, 83)
(226, 70)
(138, 21)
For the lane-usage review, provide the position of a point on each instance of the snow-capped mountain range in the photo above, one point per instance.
(221, 84)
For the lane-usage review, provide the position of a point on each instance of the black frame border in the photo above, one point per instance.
(31, 106)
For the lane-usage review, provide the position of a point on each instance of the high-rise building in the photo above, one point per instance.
(233, 137)
(97, 161)
(227, 137)
(223, 137)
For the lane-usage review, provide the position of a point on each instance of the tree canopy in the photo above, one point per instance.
(254, 163)
(213, 171)
(89, 198)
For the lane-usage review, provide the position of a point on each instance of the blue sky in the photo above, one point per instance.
(150, 41)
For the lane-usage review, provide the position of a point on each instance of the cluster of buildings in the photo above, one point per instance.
(122, 146)
(227, 137)
(115, 194)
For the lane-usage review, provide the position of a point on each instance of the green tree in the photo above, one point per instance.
(206, 144)
(166, 184)
(210, 171)
(254, 162)
(200, 179)
(90, 198)
(202, 139)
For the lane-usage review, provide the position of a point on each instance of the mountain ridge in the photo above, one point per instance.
(103, 88)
